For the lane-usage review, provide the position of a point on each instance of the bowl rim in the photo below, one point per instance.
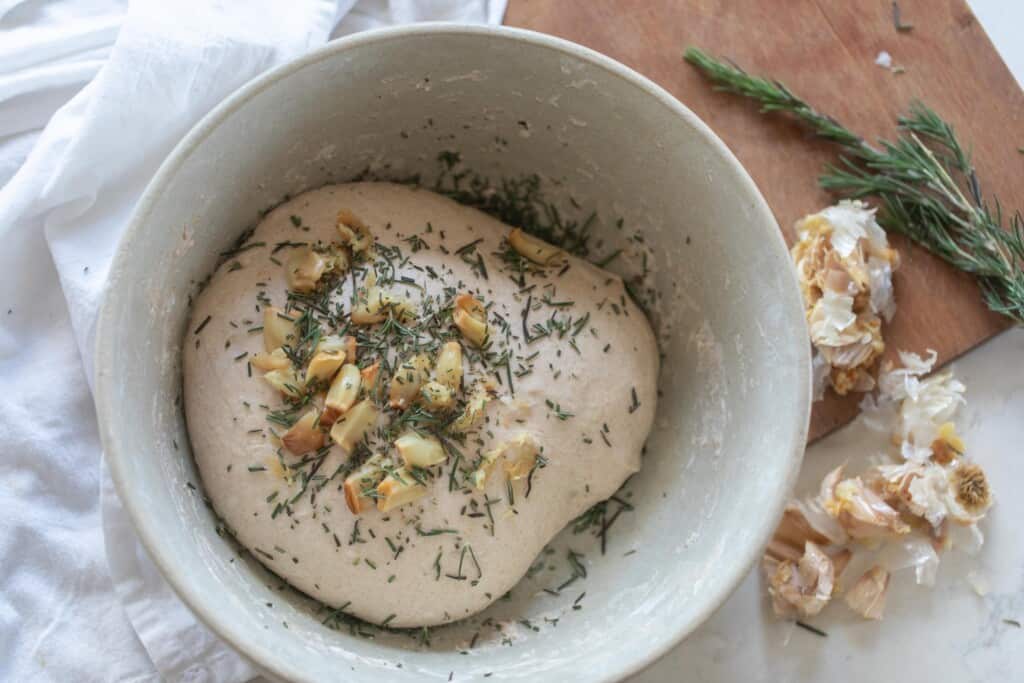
(106, 382)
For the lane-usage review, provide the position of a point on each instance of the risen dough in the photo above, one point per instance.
(590, 408)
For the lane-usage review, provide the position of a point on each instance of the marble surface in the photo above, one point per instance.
(944, 633)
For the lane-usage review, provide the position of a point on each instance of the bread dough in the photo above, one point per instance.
(585, 391)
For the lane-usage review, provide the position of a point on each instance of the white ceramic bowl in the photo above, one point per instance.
(733, 416)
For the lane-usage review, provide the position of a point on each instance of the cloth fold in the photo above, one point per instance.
(144, 74)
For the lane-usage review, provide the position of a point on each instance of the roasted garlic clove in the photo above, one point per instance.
(323, 365)
(473, 414)
(354, 232)
(286, 381)
(448, 370)
(304, 268)
(867, 596)
(534, 249)
(436, 396)
(397, 489)
(376, 305)
(407, 380)
(420, 450)
(351, 428)
(361, 486)
(274, 360)
(351, 347)
(278, 328)
(305, 435)
(470, 317)
(368, 378)
(520, 455)
(343, 393)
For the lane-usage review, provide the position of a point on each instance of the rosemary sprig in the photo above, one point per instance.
(924, 180)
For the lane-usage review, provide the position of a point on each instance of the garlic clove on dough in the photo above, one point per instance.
(407, 380)
(436, 396)
(343, 393)
(305, 435)
(354, 232)
(274, 360)
(354, 425)
(361, 486)
(397, 489)
(470, 317)
(536, 250)
(448, 370)
(278, 329)
(420, 450)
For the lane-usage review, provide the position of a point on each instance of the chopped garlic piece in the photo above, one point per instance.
(520, 454)
(473, 414)
(343, 393)
(420, 450)
(534, 249)
(448, 370)
(436, 396)
(361, 486)
(278, 329)
(305, 266)
(350, 430)
(275, 360)
(470, 317)
(323, 365)
(305, 435)
(286, 381)
(354, 232)
(407, 380)
(867, 596)
(397, 489)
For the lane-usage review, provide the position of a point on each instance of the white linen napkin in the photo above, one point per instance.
(152, 70)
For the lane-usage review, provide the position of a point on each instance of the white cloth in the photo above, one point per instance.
(150, 71)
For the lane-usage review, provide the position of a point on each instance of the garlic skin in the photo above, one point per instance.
(925, 497)
(801, 588)
(867, 596)
(845, 266)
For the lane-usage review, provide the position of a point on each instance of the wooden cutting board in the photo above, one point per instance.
(825, 50)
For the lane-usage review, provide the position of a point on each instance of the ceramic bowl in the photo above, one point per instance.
(732, 417)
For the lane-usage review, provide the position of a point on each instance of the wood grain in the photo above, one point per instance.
(825, 51)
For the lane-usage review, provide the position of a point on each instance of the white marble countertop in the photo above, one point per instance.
(944, 633)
